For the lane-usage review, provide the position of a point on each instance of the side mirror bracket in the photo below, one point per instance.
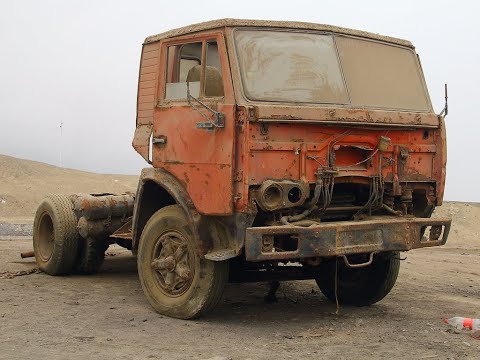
(218, 120)
(444, 112)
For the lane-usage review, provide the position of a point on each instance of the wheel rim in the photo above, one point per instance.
(173, 263)
(46, 237)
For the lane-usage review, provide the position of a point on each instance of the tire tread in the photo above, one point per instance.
(206, 295)
(60, 209)
(380, 282)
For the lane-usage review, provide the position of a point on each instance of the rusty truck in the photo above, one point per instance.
(277, 150)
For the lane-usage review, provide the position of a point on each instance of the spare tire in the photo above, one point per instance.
(55, 237)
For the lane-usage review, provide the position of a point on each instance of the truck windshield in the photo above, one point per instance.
(298, 67)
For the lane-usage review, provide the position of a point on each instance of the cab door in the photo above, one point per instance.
(193, 125)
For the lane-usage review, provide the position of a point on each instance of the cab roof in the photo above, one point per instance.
(215, 24)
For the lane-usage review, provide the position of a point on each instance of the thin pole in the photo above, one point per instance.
(61, 143)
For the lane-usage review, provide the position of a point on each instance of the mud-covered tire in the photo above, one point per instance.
(55, 237)
(199, 290)
(91, 254)
(359, 286)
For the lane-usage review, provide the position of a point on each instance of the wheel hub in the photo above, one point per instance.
(46, 236)
(173, 263)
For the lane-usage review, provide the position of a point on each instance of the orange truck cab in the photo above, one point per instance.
(281, 150)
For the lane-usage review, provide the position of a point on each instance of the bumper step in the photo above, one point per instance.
(344, 238)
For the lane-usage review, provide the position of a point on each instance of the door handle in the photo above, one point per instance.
(160, 140)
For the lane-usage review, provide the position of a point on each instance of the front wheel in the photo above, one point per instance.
(359, 286)
(175, 280)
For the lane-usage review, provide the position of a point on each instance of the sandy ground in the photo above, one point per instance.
(106, 315)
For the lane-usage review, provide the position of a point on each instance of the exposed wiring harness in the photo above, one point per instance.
(323, 190)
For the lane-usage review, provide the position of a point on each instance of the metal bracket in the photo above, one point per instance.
(218, 120)
(221, 255)
(369, 262)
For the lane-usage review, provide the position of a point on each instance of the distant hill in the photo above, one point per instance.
(465, 231)
(23, 183)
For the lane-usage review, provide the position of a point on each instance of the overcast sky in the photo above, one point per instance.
(77, 62)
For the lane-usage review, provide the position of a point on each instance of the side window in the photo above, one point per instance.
(184, 64)
(213, 85)
(181, 59)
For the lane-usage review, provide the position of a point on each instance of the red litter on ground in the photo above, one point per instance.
(463, 323)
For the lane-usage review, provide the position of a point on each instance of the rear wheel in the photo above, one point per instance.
(359, 286)
(91, 254)
(175, 280)
(55, 237)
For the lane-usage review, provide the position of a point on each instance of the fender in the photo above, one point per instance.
(156, 189)
(218, 237)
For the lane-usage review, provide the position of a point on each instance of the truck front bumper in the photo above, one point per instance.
(344, 238)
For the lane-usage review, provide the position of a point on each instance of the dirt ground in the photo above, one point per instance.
(106, 315)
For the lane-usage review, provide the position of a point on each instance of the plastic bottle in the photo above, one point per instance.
(462, 323)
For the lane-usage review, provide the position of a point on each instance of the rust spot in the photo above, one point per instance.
(289, 117)
(173, 162)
